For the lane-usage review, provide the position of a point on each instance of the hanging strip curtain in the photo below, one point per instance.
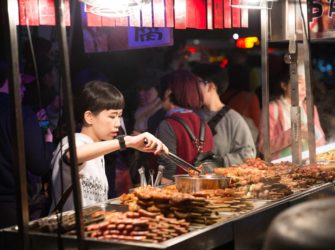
(39, 12)
(180, 14)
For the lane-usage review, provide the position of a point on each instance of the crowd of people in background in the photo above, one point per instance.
(221, 97)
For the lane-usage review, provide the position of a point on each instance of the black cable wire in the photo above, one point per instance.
(33, 57)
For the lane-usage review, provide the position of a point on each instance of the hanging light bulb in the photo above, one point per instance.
(115, 8)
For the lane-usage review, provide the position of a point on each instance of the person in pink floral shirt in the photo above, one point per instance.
(280, 116)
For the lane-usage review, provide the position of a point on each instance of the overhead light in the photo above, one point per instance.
(253, 4)
(235, 36)
(196, 41)
(115, 8)
(247, 42)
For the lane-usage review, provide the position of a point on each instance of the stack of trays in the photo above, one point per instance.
(193, 209)
(136, 226)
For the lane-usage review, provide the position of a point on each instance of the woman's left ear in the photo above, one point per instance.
(88, 117)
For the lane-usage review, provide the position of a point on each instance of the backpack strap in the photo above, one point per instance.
(216, 118)
(64, 197)
(60, 204)
(198, 142)
(202, 134)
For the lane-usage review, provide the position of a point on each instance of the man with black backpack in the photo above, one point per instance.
(232, 138)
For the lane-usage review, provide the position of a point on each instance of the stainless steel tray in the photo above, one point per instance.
(236, 229)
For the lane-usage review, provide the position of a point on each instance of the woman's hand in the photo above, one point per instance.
(146, 142)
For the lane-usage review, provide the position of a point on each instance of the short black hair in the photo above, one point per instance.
(147, 83)
(212, 72)
(41, 46)
(239, 77)
(163, 86)
(275, 80)
(44, 65)
(97, 96)
(149, 78)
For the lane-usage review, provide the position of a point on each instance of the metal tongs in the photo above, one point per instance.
(143, 180)
(180, 162)
(159, 175)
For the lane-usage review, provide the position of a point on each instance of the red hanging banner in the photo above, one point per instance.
(108, 21)
(47, 12)
(218, 14)
(209, 14)
(226, 14)
(191, 14)
(121, 21)
(180, 14)
(158, 10)
(147, 15)
(197, 10)
(41, 12)
(236, 15)
(92, 19)
(22, 12)
(244, 18)
(67, 13)
(202, 24)
(30, 14)
(169, 14)
(135, 19)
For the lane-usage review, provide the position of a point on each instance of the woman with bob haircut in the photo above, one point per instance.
(180, 94)
(99, 109)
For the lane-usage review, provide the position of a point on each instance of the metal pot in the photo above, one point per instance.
(191, 184)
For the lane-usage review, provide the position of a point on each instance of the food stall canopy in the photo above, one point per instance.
(180, 14)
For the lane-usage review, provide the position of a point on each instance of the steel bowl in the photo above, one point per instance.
(191, 184)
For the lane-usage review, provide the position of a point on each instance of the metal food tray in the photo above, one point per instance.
(242, 229)
(305, 154)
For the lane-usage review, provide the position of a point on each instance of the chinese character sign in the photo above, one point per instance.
(149, 37)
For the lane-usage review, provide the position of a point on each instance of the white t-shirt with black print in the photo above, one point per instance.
(93, 180)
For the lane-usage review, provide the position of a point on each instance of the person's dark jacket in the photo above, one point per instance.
(38, 153)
